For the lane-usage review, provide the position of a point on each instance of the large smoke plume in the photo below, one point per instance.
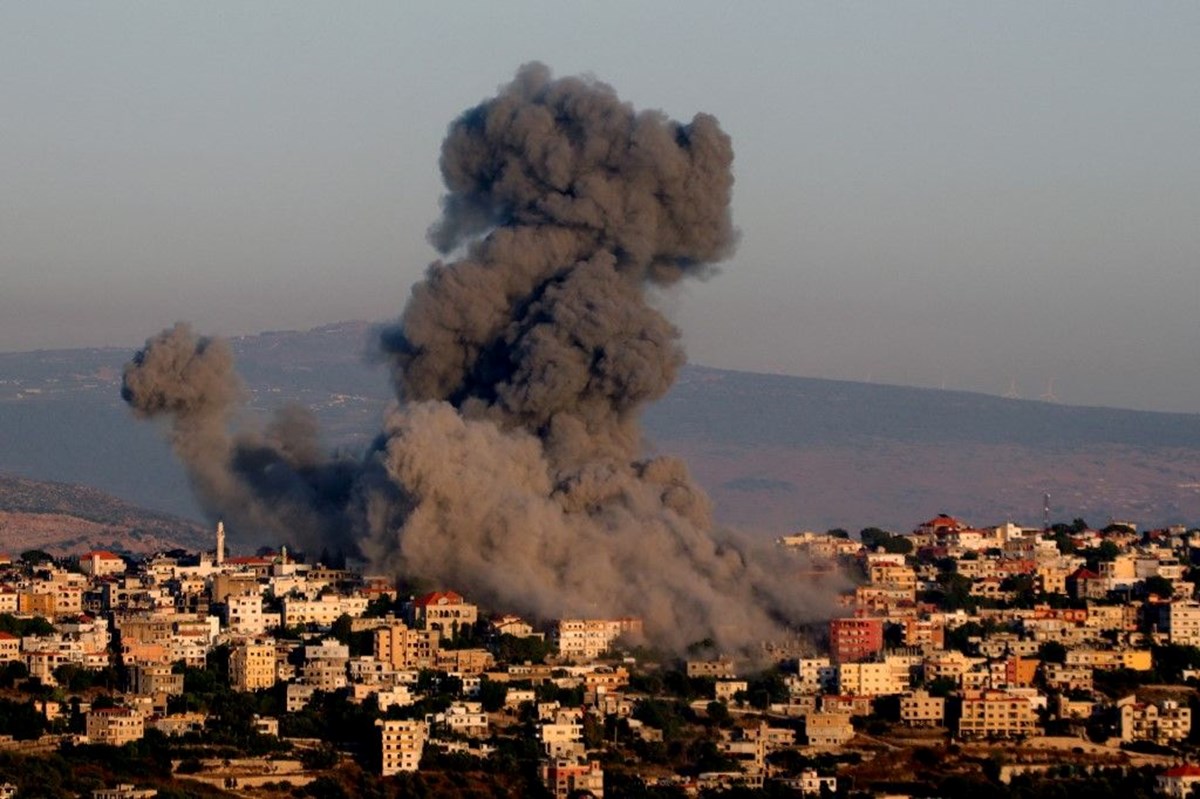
(510, 467)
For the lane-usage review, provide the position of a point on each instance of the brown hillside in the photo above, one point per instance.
(64, 519)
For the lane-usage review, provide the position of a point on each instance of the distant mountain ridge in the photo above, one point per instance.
(775, 452)
(63, 518)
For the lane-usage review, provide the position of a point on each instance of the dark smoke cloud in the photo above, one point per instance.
(279, 480)
(511, 466)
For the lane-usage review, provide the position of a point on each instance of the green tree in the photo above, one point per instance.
(492, 694)
(956, 592)
(718, 714)
(34, 557)
(1052, 652)
(873, 537)
(1108, 551)
(1159, 586)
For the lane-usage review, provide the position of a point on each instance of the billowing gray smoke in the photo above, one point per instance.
(510, 468)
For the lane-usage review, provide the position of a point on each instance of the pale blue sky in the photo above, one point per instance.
(958, 193)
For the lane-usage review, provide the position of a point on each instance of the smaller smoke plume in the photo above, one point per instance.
(277, 481)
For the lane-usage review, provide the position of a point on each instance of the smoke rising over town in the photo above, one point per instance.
(511, 466)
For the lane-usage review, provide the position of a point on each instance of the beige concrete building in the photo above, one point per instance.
(402, 744)
(252, 665)
(463, 661)
(405, 648)
(871, 679)
(828, 729)
(919, 709)
(116, 726)
(725, 690)
(720, 669)
(1183, 623)
(1165, 723)
(996, 714)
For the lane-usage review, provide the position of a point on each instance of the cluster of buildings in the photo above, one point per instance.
(998, 632)
(274, 616)
(985, 634)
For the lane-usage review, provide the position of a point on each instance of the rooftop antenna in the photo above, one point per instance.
(1050, 396)
(1012, 392)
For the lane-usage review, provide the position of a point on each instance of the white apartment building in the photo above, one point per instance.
(322, 611)
(587, 639)
(244, 615)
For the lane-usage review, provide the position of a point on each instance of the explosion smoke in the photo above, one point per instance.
(510, 467)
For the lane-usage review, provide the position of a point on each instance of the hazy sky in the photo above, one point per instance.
(967, 194)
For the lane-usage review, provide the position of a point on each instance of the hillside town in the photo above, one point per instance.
(1001, 660)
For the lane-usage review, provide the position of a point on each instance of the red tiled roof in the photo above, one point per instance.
(437, 598)
(1186, 770)
(101, 554)
(942, 520)
(248, 560)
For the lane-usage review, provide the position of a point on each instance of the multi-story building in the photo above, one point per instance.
(813, 675)
(924, 633)
(1179, 782)
(463, 661)
(10, 647)
(1012, 672)
(586, 639)
(853, 640)
(1164, 723)
(1180, 621)
(466, 719)
(115, 726)
(101, 563)
(1111, 659)
(565, 778)
(325, 665)
(322, 611)
(720, 668)
(252, 665)
(402, 744)
(244, 615)
(871, 679)
(726, 690)
(919, 709)
(443, 610)
(996, 714)
(404, 648)
(1061, 677)
(561, 738)
(828, 729)
(154, 679)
